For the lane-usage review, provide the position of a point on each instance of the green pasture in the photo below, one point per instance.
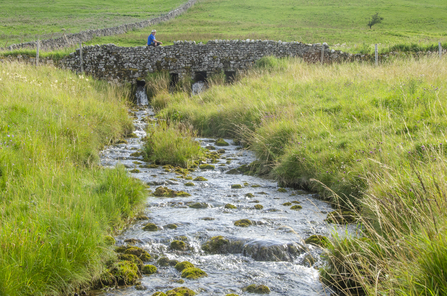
(340, 23)
(22, 21)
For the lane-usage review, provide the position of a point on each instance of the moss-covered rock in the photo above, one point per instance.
(149, 269)
(221, 151)
(193, 273)
(159, 294)
(282, 190)
(259, 207)
(249, 195)
(208, 218)
(171, 226)
(258, 289)
(109, 240)
(166, 192)
(178, 245)
(135, 171)
(287, 204)
(232, 294)
(200, 178)
(198, 205)
(140, 287)
(163, 261)
(317, 240)
(139, 252)
(183, 265)
(136, 154)
(341, 217)
(190, 184)
(125, 272)
(173, 262)
(221, 142)
(255, 185)
(236, 186)
(230, 206)
(296, 207)
(141, 217)
(149, 166)
(243, 223)
(215, 244)
(150, 227)
(180, 291)
(210, 147)
(180, 281)
(131, 258)
(120, 249)
(206, 166)
(132, 241)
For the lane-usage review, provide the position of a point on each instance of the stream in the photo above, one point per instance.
(271, 252)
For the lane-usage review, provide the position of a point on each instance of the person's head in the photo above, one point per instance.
(154, 32)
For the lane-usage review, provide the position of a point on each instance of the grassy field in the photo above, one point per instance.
(342, 22)
(367, 138)
(56, 204)
(22, 21)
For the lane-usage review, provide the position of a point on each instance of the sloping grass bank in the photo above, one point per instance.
(364, 137)
(56, 204)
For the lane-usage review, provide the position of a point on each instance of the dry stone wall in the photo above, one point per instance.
(84, 36)
(128, 64)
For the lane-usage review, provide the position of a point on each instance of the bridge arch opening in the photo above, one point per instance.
(173, 80)
(230, 76)
(200, 76)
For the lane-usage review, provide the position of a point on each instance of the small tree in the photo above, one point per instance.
(375, 19)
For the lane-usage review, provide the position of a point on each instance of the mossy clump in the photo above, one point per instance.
(139, 252)
(159, 294)
(259, 207)
(150, 227)
(210, 147)
(109, 240)
(232, 294)
(249, 195)
(282, 190)
(206, 166)
(180, 281)
(258, 289)
(255, 186)
(149, 269)
(125, 272)
(166, 192)
(221, 151)
(193, 273)
(163, 261)
(131, 258)
(341, 217)
(178, 245)
(182, 238)
(198, 205)
(183, 265)
(317, 240)
(132, 241)
(171, 226)
(287, 204)
(236, 186)
(136, 154)
(180, 291)
(296, 207)
(296, 202)
(173, 262)
(215, 244)
(221, 142)
(243, 223)
(190, 184)
(200, 178)
(230, 206)
(141, 217)
(120, 249)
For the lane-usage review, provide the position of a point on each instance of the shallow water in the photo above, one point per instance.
(272, 252)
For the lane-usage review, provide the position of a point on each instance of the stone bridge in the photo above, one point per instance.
(131, 64)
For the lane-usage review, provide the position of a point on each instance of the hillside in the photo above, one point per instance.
(334, 22)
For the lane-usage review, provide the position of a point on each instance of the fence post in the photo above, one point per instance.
(440, 50)
(81, 61)
(322, 53)
(376, 51)
(37, 53)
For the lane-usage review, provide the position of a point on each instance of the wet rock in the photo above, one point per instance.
(109, 240)
(287, 204)
(232, 294)
(221, 142)
(206, 166)
(296, 207)
(341, 217)
(159, 294)
(171, 226)
(255, 185)
(198, 205)
(182, 238)
(236, 186)
(259, 207)
(193, 273)
(230, 206)
(262, 192)
(166, 192)
(258, 289)
(200, 179)
(282, 190)
(243, 223)
(183, 265)
(317, 240)
(136, 154)
(150, 227)
(178, 245)
(149, 269)
(272, 250)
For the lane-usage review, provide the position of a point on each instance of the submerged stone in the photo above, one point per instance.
(183, 265)
(193, 273)
(150, 227)
(221, 142)
(243, 223)
(208, 218)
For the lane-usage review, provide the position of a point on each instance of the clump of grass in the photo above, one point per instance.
(57, 205)
(172, 144)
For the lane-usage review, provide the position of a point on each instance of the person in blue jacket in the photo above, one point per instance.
(151, 41)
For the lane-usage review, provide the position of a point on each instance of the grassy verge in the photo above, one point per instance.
(55, 55)
(368, 138)
(56, 204)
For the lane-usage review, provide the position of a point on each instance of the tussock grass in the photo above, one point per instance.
(371, 139)
(56, 203)
(172, 144)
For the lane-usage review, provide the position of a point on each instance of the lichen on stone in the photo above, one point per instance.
(193, 273)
